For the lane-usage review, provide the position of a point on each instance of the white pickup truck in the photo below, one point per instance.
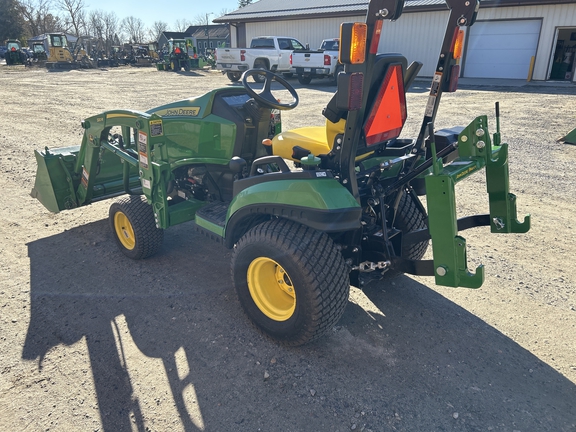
(322, 63)
(265, 52)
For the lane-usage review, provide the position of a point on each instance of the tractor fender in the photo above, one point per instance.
(322, 204)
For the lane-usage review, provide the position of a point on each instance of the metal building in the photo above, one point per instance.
(520, 39)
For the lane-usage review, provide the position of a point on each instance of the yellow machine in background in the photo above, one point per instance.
(57, 52)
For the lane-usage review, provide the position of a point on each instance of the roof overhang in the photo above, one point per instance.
(314, 12)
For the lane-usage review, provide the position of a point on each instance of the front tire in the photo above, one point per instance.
(291, 281)
(259, 64)
(132, 222)
(233, 76)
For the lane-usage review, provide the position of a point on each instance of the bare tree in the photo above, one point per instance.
(223, 12)
(111, 29)
(74, 15)
(199, 20)
(182, 25)
(38, 17)
(134, 29)
(95, 24)
(157, 29)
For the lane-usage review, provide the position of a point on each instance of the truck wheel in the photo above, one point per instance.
(304, 80)
(339, 68)
(187, 67)
(233, 76)
(173, 66)
(291, 280)
(259, 64)
(409, 218)
(133, 226)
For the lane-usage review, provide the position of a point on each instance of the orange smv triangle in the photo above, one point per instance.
(388, 113)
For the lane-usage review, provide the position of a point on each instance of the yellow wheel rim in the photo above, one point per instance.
(124, 230)
(271, 289)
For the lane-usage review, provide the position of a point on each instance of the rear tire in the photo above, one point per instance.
(233, 76)
(260, 64)
(132, 222)
(291, 281)
(304, 80)
(410, 218)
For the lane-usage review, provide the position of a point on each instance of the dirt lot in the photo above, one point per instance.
(93, 341)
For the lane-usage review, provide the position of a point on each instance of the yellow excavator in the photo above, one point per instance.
(61, 55)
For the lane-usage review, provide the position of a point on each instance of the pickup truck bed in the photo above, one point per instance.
(322, 63)
(265, 52)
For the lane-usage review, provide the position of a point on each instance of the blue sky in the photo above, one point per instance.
(168, 11)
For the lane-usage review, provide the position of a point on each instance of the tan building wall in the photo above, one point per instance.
(418, 35)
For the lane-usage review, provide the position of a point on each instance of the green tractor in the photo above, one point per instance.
(178, 57)
(14, 54)
(347, 211)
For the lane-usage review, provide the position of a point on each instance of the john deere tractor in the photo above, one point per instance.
(345, 211)
(177, 57)
(14, 54)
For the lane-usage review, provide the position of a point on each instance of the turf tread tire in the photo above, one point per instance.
(320, 267)
(148, 237)
(409, 218)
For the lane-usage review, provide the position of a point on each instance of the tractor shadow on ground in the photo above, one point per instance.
(409, 361)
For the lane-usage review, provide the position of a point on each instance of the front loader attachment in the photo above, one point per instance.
(54, 187)
(476, 151)
(97, 169)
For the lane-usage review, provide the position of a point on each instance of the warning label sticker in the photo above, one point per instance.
(156, 128)
(434, 91)
(85, 177)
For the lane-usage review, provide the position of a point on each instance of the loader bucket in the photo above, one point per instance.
(54, 187)
(569, 138)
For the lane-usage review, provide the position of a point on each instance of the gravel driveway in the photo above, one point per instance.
(93, 341)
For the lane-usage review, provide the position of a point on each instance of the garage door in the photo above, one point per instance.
(501, 49)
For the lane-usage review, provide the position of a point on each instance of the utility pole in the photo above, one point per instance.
(207, 32)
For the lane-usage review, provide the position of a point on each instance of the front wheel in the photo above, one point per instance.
(291, 280)
(134, 228)
(259, 64)
(233, 76)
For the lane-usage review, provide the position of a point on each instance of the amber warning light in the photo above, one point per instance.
(353, 43)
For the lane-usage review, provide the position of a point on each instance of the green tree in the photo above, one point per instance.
(242, 3)
(11, 20)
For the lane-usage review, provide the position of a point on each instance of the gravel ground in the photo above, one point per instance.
(93, 341)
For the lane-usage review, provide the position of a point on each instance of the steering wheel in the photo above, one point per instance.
(265, 95)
